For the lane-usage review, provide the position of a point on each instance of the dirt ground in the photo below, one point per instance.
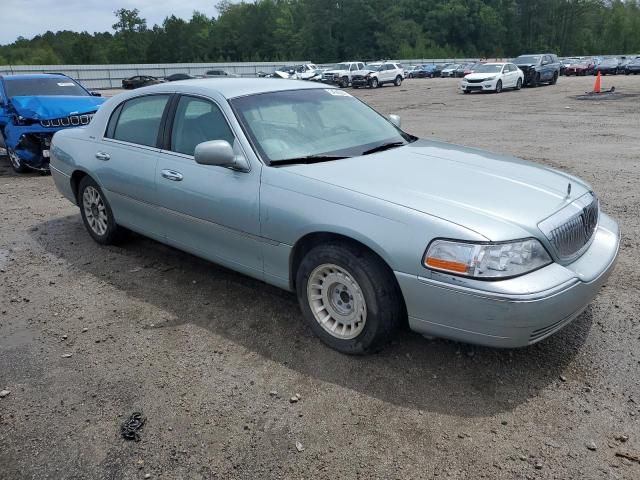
(213, 358)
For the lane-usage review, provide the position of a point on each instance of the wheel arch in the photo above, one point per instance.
(310, 240)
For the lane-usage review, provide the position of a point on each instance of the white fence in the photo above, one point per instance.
(111, 76)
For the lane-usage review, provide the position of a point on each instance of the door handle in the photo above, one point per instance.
(171, 175)
(103, 156)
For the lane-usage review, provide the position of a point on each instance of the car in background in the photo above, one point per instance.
(307, 188)
(35, 106)
(175, 77)
(580, 67)
(139, 81)
(538, 68)
(607, 66)
(492, 77)
(464, 69)
(376, 75)
(341, 73)
(410, 69)
(308, 71)
(429, 70)
(219, 74)
(450, 71)
(633, 67)
(565, 62)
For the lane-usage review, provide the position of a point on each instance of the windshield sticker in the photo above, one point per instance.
(336, 92)
(66, 84)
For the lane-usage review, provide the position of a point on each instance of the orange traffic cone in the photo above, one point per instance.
(596, 86)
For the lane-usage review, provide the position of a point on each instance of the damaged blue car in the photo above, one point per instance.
(35, 106)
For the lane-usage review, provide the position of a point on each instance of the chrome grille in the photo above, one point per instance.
(71, 121)
(570, 230)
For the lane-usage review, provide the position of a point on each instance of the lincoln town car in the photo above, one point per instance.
(305, 187)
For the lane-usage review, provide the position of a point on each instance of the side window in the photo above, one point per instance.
(196, 121)
(138, 120)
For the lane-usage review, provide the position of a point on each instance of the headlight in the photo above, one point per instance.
(489, 79)
(488, 260)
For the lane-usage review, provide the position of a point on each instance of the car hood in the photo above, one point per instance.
(497, 196)
(527, 65)
(480, 76)
(55, 106)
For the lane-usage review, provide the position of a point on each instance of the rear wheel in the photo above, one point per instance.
(398, 81)
(96, 213)
(554, 80)
(16, 162)
(519, 84)
(348, 297)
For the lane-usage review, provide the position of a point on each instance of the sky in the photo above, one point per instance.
(28, 18)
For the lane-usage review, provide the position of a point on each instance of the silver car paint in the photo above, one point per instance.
(395, 202)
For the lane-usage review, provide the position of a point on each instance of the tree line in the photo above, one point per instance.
(334, 30)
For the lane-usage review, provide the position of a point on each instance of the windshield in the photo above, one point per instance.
(341, 66)
(488, 69)
(610, 61)
(373, 66)
(313, 122)
(527, 59)
(26, 87)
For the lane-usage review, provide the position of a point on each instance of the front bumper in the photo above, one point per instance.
(479, 87)
(360, 82)
(516, 312)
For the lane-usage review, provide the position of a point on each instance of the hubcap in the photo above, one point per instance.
(94, 210)
(337, 301)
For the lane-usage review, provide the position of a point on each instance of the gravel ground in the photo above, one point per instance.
(89, 335)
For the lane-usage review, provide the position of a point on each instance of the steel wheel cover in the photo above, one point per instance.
(14, 159)
(336, 301)
(94, 210)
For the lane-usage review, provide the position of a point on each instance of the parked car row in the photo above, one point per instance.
(139, 81)
(604, 66)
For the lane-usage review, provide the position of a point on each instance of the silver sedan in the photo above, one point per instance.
(307, 188)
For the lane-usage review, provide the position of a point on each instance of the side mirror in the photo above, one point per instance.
(219, 153)
(96, 94)
(395, 119)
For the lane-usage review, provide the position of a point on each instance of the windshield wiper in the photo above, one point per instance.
(383, 147)
(308, 159)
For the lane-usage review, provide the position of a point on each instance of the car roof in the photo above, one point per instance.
(26, 76)
(234, 87)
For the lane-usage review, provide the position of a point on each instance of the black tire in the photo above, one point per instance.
(112, 232)
(374, 82)
(16, 162)
(519, 84)
(355, 86)
(384, 307)
(398, 81)
(344, 82)
(465, 91)
(554, 80)
(499, 86)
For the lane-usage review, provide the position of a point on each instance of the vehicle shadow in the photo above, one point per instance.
(431, 375)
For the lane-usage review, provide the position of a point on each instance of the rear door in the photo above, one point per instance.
(210, 211)
(125, 161)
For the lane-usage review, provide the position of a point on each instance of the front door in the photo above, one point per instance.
(210, 211)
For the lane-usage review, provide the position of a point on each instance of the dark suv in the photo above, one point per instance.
(539, 68)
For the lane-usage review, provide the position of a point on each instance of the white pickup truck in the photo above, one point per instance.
(342, 73)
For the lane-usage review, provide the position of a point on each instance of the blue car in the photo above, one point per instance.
(35, 106)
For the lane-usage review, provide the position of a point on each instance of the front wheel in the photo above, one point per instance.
(348, 297)
(374, 83)
(499, 86)
(535, 80)
(96, 213)
(519, 84)
(344, 82)
(398, 81)
(16, 162)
